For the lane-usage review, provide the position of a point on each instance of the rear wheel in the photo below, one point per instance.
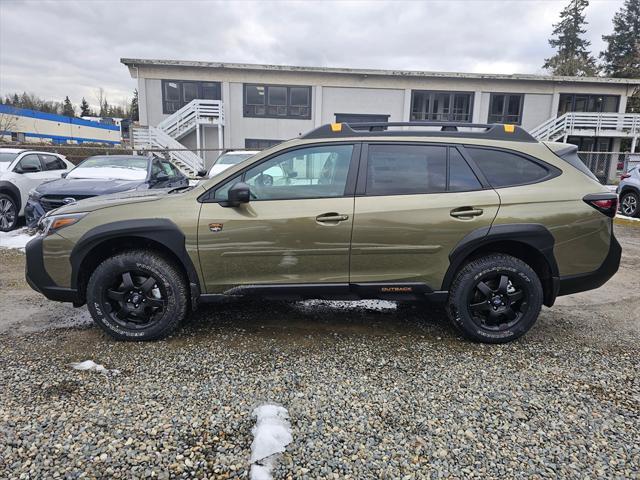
(8, 213)
(630, 204)
(137, 295)
(495, 299)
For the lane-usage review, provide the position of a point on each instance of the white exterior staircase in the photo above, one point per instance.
(621, 125)
(164, 137)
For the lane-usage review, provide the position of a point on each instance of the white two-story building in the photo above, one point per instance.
(193, 108)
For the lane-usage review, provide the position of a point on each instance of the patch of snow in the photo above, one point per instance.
(377, 305)
(624, 217)
(16, 239)
(91, 365)
(271, 435)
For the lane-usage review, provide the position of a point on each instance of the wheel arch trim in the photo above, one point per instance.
(158, 230)
(531, 235)
(10, 188)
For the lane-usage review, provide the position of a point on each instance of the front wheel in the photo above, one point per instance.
(495, 299)
(630, 204)
(137, 295)
(8, 213)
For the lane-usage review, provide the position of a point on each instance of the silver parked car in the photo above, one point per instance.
(629, 192)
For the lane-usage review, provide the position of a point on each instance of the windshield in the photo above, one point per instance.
(7, 157)
(118, 168)
(233, 159)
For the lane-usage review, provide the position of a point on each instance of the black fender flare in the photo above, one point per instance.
(13, 191)
(159, 230)
(531, 234)
(629, 188)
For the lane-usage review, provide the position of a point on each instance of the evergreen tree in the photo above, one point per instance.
(85, 110)
(572, 55)
(621, 58)
(133, 109)
(104, 109)
(67, 108)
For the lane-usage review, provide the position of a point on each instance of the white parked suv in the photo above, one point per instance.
(21, 171)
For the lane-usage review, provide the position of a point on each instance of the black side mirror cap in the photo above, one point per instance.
(64, 175)
(239, 193)
(202, 173)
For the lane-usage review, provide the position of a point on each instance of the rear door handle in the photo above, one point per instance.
(466, 212)
(331, 217)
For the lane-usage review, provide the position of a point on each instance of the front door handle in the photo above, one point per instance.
(331, 218)
(466, 212)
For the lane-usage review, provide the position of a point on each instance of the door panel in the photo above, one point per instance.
(408, 238)
(296, 227)
(277, 241)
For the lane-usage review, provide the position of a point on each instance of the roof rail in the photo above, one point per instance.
(492, 131)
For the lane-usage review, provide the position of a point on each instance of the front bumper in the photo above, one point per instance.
(33, 211)
(592, 280)
(38, 278)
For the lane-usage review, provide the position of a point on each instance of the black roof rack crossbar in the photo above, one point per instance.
(492, 131)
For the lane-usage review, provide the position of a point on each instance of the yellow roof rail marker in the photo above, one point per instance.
(336, 127)
(509, 128)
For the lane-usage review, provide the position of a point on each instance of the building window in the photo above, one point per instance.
(177, 93)
(277, 101)
(571, 102)
(362, 118)
(259, 143)
(505, 108)
(441, 106)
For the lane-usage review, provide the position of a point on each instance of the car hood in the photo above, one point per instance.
(112, 200)
(86, 186)
(4, 166)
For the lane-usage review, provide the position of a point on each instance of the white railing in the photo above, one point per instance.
(196, 112)
(592, 124)
(155, 139)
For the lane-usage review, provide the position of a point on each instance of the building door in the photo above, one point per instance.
(296, 228)
(414, 203)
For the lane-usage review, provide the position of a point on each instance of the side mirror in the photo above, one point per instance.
(202, 173)
(26, 169)
(161, 177)
(238, 193)
(64, 175)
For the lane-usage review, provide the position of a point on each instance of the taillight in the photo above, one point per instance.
(625, 175)
(606, 203)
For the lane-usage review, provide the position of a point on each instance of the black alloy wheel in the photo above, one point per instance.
(134, 300)
(498, 301)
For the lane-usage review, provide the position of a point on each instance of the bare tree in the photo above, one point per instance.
(100, 97)
(8, 123)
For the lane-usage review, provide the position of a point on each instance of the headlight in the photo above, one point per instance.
(34, 194)
(52, 223)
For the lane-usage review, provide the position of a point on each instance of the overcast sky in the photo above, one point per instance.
(71, 48)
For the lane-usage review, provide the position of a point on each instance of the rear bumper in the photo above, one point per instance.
(589, 281)
(38, 278)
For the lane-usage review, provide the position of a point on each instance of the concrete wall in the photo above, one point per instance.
(536, 109)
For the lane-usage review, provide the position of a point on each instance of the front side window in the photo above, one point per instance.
(406, 169)
(505, 169)
(505, 108)
(51, 162)
(441, 106)
(277, 101)
(312, 172)
(30, 162)
(177, 93)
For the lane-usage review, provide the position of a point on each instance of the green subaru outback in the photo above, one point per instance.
(483, 218)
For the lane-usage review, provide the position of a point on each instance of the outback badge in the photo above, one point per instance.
(215, 227)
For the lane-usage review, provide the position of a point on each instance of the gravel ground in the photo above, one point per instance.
(372, 392)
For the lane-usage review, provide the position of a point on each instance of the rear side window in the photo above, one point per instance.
(461, 177)
(505, 169)
(406, 169)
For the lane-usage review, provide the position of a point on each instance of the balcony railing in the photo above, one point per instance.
(625, 125)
